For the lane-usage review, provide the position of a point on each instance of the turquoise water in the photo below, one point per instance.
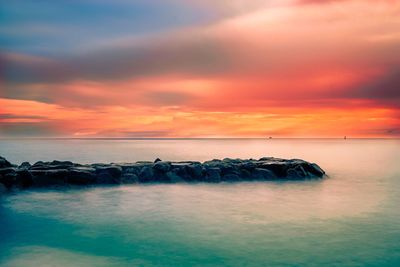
(352, 218)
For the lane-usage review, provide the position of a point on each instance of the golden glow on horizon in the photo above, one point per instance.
(131, 122)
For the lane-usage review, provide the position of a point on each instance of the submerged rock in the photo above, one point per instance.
(61, 173)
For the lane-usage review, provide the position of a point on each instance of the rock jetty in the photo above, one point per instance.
(65, 173)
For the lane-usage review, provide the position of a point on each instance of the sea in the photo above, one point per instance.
(349, 218)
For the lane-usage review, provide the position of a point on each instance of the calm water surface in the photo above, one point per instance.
(351, 218)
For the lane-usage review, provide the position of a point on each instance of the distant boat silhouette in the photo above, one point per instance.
(345, 137)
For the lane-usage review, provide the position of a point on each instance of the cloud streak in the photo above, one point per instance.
(321, 57)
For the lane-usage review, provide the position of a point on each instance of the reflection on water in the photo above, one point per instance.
(348, 219)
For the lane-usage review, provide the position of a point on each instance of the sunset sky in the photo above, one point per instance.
(200, 68)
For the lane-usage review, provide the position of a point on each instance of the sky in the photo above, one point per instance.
(200, 68)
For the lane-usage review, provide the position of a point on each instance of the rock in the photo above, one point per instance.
(247, 165)
(4, 163)
(61, 163)
(296, 172)
(146, 174)
(157, 160)
(263, 174)
(278, 168)
(4, 171)
(195, 171)
(24, 165)
(114, 171)
(80, 177)
(49, 177)
(8, 179)
(316, 170)
(105, 178)
(231, 177)
(108, 174)
(24, 178)
(213, 175)
(44, 174)
(162, 166)
(173, 177)
(129, 178)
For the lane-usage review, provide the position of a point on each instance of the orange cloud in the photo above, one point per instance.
(274, 69)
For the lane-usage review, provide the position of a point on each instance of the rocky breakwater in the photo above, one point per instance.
(66, 173)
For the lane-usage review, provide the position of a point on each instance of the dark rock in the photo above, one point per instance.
(4, 171)
(278, 168)
(157, 160)
(129, 178)
(8, 179)
(173, 177)
(316, 170)
(247, 165)
(245, 174)
(61, 163)
(162, 166)
(24, 178)
(24, 165)
(146, 174)
(80, 177)
(4, 163)
(195, 171)
(49, 177)
(114, 171)
(42, 174)
(296, 172)
(231, 177)
(105, 178)
(263, 174)
(213, 175)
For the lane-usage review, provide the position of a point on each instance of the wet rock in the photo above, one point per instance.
(8, 179)
(146, 174)
(42, 178)
(24, 165)
(195, 171)
(4, 163)
(129, 178)
(43, 174)
(24, 178)
(316, 170)
(173, 177)
(263, 174)
(297, 172)
(162, 166)
(4, 171)
(213, 175)
(278, 168)
(231, 177)
(114, 171)
(80, 177)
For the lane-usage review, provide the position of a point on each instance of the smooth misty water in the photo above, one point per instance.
(351, 218)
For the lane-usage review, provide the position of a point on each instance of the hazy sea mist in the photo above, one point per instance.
(351, 218)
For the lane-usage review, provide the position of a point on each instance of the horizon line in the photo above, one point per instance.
(189, 138)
